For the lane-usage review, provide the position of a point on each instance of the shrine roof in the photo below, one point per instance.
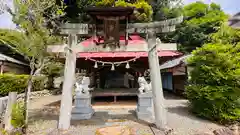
(135, 44)
(175, 62)
(10, 59)
(137, 47)
(133, 40)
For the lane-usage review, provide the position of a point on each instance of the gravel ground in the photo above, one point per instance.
(182, 121)
(43, 119)
(88, 127)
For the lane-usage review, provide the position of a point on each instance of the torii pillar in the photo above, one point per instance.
(151, 29)
(156, 81)
(72, 30)
(69, 78)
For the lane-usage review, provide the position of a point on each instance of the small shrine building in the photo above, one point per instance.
(111, 49)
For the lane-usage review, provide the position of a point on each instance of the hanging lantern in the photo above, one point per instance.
(127, 66)
(113, 68)
(95, 66)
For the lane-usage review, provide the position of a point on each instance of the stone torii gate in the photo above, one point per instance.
(150, 29)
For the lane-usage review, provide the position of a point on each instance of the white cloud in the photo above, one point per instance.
(6, 18)
(6, 21)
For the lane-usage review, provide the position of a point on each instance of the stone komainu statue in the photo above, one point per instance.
(82, 88)
(144, 87)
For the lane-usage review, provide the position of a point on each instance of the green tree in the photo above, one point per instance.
(226, 35)
(165, 9)
(81, 5)
(145, 15)
(200, 20)
(52, 69)
(152, 9)
(33, 38)
(214, 88)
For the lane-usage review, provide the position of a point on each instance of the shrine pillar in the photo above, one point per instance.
(156, 81)
(69, 79)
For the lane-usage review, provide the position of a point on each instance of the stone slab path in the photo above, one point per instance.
(44, 116)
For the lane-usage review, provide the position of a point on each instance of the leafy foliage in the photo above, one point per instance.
(39, 83)
(18, 83)
(200, 21)
(51, 70)
(33, 17)
(105, 3)
(10, 37)
(152, 9)
(18, 115)
(34, 38)
(82, 16)
(145, 16)
(165, 9)
(214, 88)
(226, 35)
(12, 83)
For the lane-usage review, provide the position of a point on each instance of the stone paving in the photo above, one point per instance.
(44, 119)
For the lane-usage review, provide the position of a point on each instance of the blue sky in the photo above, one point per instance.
(229, 6)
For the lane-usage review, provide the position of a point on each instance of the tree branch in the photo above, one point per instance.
(40, 68)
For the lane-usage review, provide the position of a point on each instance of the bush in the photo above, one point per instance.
(39, 83)
(51, 70)
(18, 115)
(18, 83)
(214, 90)
(12, 83)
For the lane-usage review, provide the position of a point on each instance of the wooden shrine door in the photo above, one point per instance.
(111, 31)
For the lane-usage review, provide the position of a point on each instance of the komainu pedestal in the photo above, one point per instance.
(83, 108)
(145, 110)
(145, 107)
